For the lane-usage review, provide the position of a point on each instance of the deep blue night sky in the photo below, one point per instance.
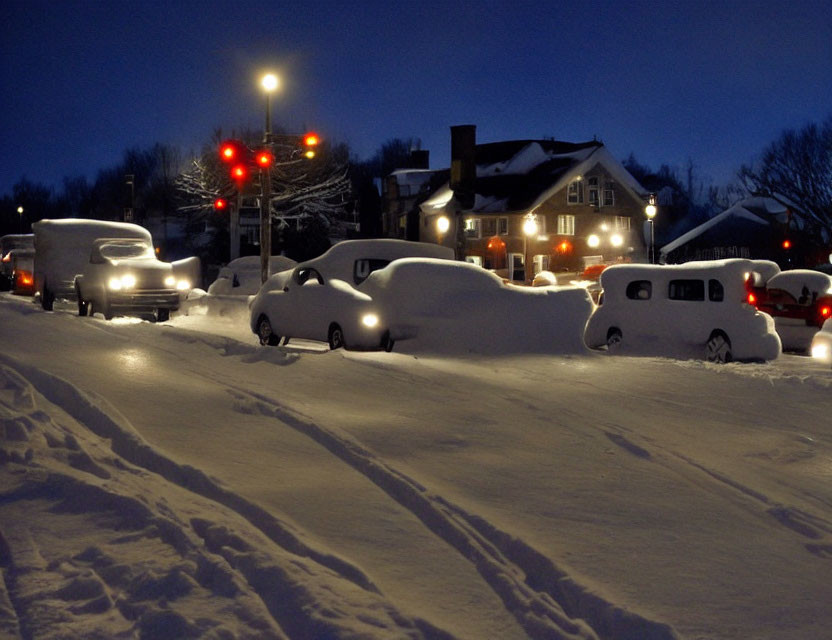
(710, 81)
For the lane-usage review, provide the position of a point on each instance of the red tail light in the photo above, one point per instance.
(7, 257)
(825, 312)
(752, 299)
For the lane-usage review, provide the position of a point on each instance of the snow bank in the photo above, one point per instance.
(438, 306)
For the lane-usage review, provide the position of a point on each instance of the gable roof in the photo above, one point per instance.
(757, 209)
(518, 175)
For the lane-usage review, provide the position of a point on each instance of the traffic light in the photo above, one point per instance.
(232, 151)
(240, 174)
(787, 244)
(264, 159)
(220, 204)
(310, 141)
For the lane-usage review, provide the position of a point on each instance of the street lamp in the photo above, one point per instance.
(20, 217)
(650, 211)
(443, 223)
(269, 82)
(529, 229)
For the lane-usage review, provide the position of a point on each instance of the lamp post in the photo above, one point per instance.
(650, 211)
(20, 218)
(529, 229)
(269, 82)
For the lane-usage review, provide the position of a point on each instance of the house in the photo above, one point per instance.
(557, 205)
(757, 228)
(401, 193)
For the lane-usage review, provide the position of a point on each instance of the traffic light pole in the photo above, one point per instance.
(234, 227)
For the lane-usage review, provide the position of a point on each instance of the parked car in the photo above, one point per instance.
(443, 306)
(821, 348)
(321, 299)
(697, 309)
(799, 300)
(123, 276)
(9, 243)
(242, 276)
(22, 266)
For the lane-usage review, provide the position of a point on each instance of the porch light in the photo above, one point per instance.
(616, 240)
(593, 241)
(443, 224)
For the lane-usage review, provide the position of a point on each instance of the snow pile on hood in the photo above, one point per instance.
(439, 306)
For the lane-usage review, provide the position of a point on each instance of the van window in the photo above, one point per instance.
(686, 290)
(364, 267)
(640, 290)
(716, 293)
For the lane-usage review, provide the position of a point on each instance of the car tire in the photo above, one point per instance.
(336, 337)
(47, 299)
(265, 333)
(387, 342)
(614, 338)
(162, 315)
(718, 348)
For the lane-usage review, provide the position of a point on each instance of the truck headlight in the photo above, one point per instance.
(182, 285)
(170, 281)
(369, 320)
(127, 281)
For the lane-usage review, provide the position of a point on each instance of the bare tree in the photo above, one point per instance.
(796, 169)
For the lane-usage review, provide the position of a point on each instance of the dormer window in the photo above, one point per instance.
(575, 192)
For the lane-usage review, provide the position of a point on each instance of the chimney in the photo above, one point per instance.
(463, 164)
(419, 159)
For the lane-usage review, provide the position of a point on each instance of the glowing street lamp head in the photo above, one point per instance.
(650, 211)
(269, 82)
(530, 225)
(443, 224)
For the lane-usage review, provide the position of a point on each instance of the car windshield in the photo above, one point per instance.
(126, 249)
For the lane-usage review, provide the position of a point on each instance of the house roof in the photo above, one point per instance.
(758, 210)
(518, 175)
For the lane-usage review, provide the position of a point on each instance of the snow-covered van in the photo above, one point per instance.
(696, 309)
(62, 249)
(9, 243)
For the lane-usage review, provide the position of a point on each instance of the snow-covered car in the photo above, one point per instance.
(697, 309)
(8, 244)
(123, 276)
(799, 300)
(320, 299)
(311, 307)
(241, 276)
(821, 347)
(442, 306)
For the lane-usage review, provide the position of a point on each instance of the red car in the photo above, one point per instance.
(799, 294)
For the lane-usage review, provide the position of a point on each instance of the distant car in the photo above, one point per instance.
(242, 276)
(22, 265)
(123, 276)
(799, 300)
(821, 348)
(8, 244)
(320, 299)
(442, 306)
(697, 309)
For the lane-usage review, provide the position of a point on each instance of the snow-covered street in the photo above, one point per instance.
(179, 480)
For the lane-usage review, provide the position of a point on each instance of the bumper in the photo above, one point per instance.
(144, 300)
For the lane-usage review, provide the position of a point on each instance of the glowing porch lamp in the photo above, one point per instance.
(530, 229)
(650, 211)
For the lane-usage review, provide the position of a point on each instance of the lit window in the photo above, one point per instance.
(566, 225)
(472, 228)
(609, 194)
(477, 260)
(575, 192)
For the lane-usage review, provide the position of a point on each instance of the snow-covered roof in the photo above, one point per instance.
(519, 175)
(752, 209)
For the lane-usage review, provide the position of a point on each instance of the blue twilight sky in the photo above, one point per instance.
(711, 81)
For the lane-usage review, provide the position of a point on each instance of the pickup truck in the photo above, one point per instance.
(123, 276)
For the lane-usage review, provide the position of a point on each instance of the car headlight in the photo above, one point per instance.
(114, 284)
(182, 285)
(170, 281)
(369, 320)
(127, 281)
(820, 351)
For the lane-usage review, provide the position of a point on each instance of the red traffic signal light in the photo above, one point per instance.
(220, 204)
(264, 159)
(239, 173)
(787, 244)
(310, 141)
(232, 151)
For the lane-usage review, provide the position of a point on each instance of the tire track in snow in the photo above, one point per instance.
(126, 443)
(544, 600)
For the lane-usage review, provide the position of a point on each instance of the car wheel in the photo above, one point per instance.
(336, 337)
(614, 338)
(265, 333)
(47, 299)
(718, 348)
(83, 305)
(162, 315)
(387, 342)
